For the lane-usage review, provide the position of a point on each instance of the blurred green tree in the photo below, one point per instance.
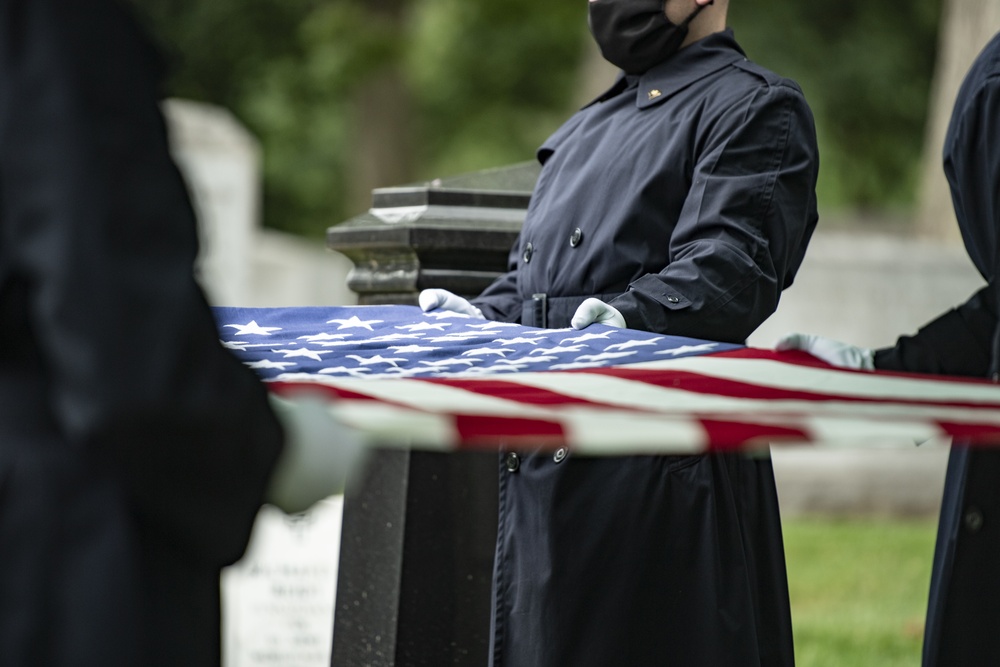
(347, 95)
(866, 70)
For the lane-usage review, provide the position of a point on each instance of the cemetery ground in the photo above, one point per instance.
(858, 589)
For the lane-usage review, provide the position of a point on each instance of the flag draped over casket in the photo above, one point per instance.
(441, 380)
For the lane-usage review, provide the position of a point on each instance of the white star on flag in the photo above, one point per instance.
(520, 340)
(560, 348)
(486, 350)
(303, 352)
(354, 323)
(411, 349)
(486, 326)
(585, 337)
(338, 370)
(634, 343)
(252, 329)
(267, 363)
(444, 363)
(325, 336)
(390, 338)
(377, 359)
(424, 326)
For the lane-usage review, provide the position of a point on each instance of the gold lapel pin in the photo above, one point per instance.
(654, 93)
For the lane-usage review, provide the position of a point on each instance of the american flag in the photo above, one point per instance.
(446, 381)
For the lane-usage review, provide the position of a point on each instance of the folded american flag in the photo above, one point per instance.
(446, 381)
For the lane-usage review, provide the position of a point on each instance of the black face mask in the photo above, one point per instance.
(636, 34)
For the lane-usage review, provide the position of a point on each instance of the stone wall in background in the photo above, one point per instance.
(868, 287)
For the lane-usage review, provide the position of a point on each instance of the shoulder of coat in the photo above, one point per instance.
(766, 76)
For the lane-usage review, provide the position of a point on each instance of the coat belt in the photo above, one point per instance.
(554, 312)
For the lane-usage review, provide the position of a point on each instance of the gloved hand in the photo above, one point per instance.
(320, 454)
(435, 299)
(831, 351)
(596, 311)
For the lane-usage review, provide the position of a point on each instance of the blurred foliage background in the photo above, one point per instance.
(346, 95)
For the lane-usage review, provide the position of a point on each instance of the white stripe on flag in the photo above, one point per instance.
(793, 377)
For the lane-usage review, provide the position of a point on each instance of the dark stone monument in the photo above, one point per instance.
(452, 233)
(419, 532)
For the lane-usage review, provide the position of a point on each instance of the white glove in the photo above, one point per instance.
(596, 311)
(320, 454)
(434, 299)
(831, 351)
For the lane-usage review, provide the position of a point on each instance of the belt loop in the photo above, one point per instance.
(541, 309)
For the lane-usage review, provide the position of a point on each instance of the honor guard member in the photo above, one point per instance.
(681, 202)
(135, 450)
(964, 605)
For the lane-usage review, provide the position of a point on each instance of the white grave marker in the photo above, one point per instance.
(278, 601)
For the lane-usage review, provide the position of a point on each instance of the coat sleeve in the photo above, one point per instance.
(744, 226)
(956, 343)
(98, 232)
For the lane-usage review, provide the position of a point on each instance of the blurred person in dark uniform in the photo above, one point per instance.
(680, 201)
(964, 605)
(134, 450)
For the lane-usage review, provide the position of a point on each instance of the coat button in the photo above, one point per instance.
(560, 455)
(512, 461)
(528, 252)
(575, 237)
(973, 519)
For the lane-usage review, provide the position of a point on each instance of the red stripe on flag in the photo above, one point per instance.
(797, 357)
(487, 432)
(728, 435)
(982, 434)
(511, 391)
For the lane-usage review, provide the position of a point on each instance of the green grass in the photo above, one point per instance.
(858, 590)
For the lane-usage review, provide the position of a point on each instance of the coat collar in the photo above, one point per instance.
(693, 62)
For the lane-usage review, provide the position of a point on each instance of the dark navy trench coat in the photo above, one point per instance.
(963, 610)
(685, 198)
(134, 450)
